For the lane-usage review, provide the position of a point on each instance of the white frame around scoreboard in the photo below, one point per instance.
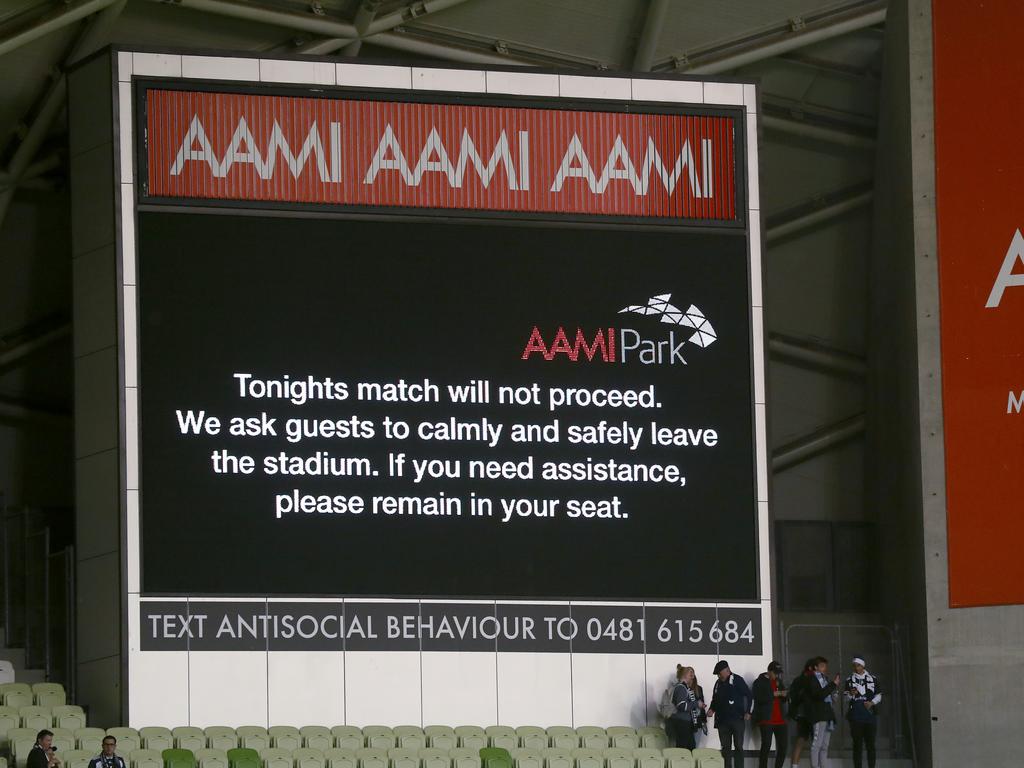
(361, 687)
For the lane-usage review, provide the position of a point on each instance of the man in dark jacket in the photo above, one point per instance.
(795, 703)
(108, 758)
(42, 753)
(730, 706)
(818, 708)
(769, 714)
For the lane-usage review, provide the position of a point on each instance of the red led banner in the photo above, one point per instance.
(229, 146)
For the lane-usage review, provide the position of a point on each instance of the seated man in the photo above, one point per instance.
(43, 754)
(108, 758)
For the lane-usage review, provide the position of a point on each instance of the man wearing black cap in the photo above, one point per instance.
(769, 714)
(730, 706)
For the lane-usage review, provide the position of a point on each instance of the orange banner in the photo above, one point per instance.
(979, 166)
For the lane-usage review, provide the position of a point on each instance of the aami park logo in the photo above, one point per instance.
(628, 345)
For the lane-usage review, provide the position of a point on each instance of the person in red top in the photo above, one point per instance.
(770, 715)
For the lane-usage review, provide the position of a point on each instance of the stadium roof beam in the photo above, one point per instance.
(71, 13)
(815, 355)
(808, 130)
(644, 57)
(816, 212)
(335, 33)
(781, 38)
(15, 355)
(365, 13)
(35, 170)
(53, 101)
(817, 442)
(18, 411)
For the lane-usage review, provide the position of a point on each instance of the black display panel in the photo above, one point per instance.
(647, 478)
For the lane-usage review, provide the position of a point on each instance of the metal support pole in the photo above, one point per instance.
(19, 411)
(14, 355)
(409, 44)
(814, 132)
(817, 442)
(72, 12)
(53, 101)
(794, 37)
(812, 218)
(645, 48)
(817, 356)
(364, 15)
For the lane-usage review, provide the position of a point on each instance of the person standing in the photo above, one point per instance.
(864, 695)
(689, 701)
(818, 706)
(730, 706)
(769, 714)
(797, 710)
(43, 754)
(108, 757)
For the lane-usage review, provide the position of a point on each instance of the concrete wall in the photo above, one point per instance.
(98, 467)
(966, 665)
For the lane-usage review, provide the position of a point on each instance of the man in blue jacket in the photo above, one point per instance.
(730, 706)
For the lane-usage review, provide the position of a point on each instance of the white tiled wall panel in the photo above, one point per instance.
(306, 688)
(473, 675)
(371, 682)
(534, 689)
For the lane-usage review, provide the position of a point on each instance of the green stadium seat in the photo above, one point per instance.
(156, 738)
(496, 757)
(285, 737)
(49, 694)
(339, 757)
(63, 739)
(69, 716)
(623, 737)
(371, 757)
(90, 740)
(617, 757)
(527, 757)
(20, 742)
(253, 737)
(145, 758)
(434, 757)
(274, 757)
(178, 758)
(563, 737)
(501, 737)
(307, 757)
(221, 737)
(77, 758)
(471, 737)
(588, 758)
(555, 757)
(348, 737)
(241, 757)
(36, 718)
(652, 737)
(316, 737)
(6, 688)
(212, 758)
(532, 737)
(466, 757)
(189, 737)
(18, 699)
(410, 737)
(400, 757)
(379, 737)
(678, 758)
(441, 737)
(9, 718)
(708, 758)
(128, 740)
(592, 737)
